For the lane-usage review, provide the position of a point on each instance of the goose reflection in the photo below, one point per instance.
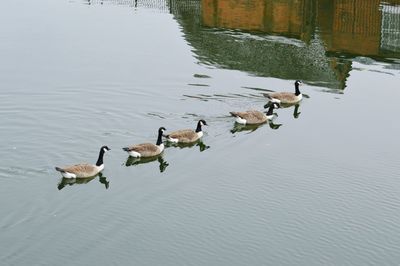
(199, 143)
(251, 128)
(79, 181)
(296, 112)
(143, 160)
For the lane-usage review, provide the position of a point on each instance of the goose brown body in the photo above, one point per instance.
(145, 149)
(184, 135)
(81, 170)
(187, 135)
(251, 116)
(84, 170)
(254, 117)
(286, 97)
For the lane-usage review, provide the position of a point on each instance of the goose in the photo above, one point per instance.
(147, 149)
(187, 135)
(253, 117)
(84, 170)
(286, 97)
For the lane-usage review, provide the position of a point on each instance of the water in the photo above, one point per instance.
(319, 186)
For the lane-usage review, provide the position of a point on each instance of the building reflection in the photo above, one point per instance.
(320, 40)
(362, 27)
(290, 18)
(347, 28)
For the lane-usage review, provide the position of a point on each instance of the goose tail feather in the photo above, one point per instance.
(60, 169)
(267, 96)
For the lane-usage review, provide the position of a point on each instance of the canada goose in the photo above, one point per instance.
(84, 170)
(147, 149)
(286, 97)
(253, 117)
(187, 135)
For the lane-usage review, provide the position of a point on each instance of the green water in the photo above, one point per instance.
(318, 186)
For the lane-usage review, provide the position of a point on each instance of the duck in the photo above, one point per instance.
(187, 135)
(286, 97)
(253, 117)
(147, 149)
(84, 170)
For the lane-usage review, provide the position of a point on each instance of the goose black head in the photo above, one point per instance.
(297, 84)
(105, 148)
(202, 122)
(160, 135)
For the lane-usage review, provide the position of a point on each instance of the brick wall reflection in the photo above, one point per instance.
(350, 26)
(286, 17)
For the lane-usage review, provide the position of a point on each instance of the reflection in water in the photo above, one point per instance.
(153, 4)
(199, 143)
(360, 27)
(296, 112)
(311, 40)
(74, 181)
(143, 160)
(320, 37)
(251, 128)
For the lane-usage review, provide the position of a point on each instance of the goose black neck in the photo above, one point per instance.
(198, 128)
(271, 110)
(100, 159)
(296, 85)
(159, 138)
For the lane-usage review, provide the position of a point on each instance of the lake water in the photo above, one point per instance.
(318, 186)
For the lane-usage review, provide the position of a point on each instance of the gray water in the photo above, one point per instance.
(319, 186)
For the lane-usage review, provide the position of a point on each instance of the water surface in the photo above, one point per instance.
(317, 186)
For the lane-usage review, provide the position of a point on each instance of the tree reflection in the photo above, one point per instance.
(311, 40)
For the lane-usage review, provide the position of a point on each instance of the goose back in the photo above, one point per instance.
(184, 135)
(80, 170)
(251, 116)
(145, 149)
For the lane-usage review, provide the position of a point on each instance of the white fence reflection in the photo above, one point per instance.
(390, 30)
